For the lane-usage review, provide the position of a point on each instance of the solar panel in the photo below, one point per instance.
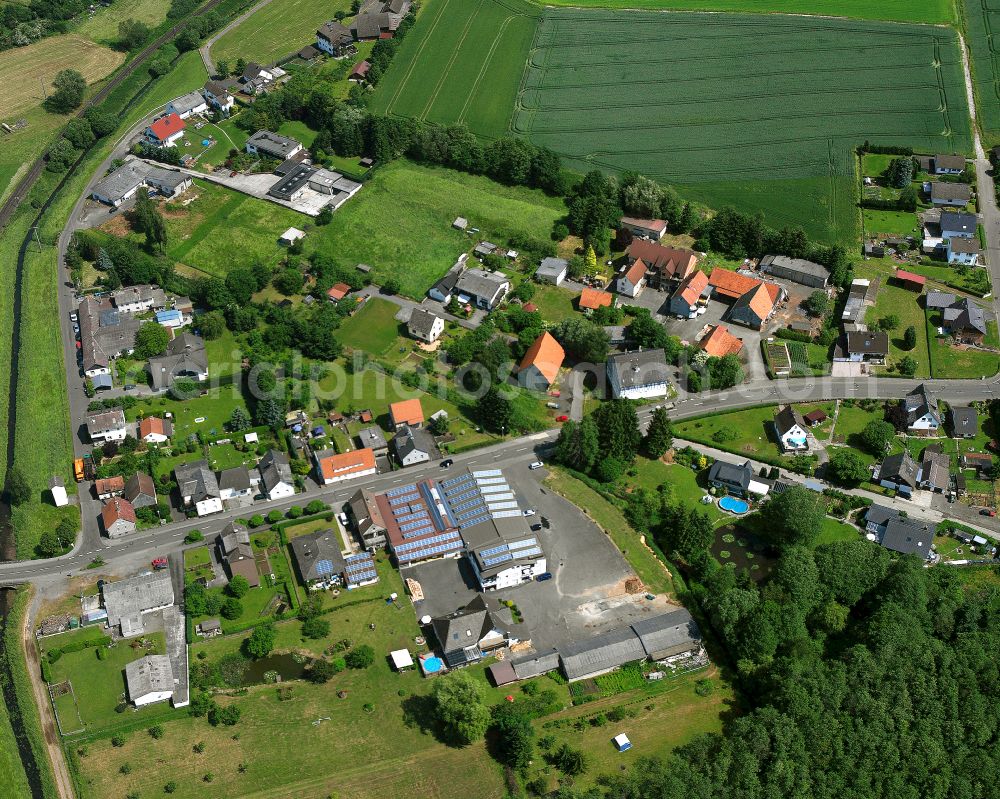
(413, 516)
(324, 566)
(398, 492)
(488, 562)
(527, 542)
(488, 473)
(408, 546)
(493, 551)
(463, 496)
(528, 553)
(417, 532)
(506, 514)
(497, 498)
(401, 499)
(483, 482)
(473, 521)
(454, 481)
(475, 503)
(494, 489)
(479, 510)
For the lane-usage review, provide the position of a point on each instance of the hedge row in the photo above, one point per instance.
(77, 646)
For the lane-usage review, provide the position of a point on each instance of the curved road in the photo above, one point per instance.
(205, 49)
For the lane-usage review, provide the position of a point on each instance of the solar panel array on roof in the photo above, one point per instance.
(488, 473)
(360, 568)
(410, 517)
(489, 562)
(397, 492)
(324, 567)
(411, 546)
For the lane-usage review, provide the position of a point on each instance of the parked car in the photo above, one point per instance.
(447, 463)
(553, 405)
(563, 418)
(536, 528)
(342, 518)
(529, 512)
(536, 465)
(73, 317)
(544, 576)
(159, 563)
(987, 512)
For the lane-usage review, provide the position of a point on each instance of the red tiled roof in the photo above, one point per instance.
(150, 425)
(108, 485)
(909, 277)
(721, 342)
(338, 291)
(406, 412)
(762, 301)
(358, 460)
(117, 509)
(530, 307)
(692, 287)
(167, 126)
(636, 272)
(546, 355)
(667, 260)
(731, 284)
(594, 298)
(361, 70)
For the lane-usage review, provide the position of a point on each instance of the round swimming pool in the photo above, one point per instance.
(734, 505)
(431, 665)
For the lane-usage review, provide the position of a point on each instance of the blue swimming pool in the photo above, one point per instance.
(734, 505)
(431, 665)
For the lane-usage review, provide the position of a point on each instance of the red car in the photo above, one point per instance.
(159, 563)
(562, 418)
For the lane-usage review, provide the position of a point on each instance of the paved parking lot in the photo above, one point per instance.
(586, 595)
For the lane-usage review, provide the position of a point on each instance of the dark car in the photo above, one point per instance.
(536, 527)
(544, 576)
(987, 512)
(447, 463)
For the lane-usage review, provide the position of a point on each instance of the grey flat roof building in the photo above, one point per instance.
(668, 634)
(798, 270)
(126, 600)
(274, 144)
(601, 654)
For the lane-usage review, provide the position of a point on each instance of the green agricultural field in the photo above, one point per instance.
(278, 29)
(980, 17)
(462, 62)
(930, 11)
(102, 25)
(693, 100)
(400, 222)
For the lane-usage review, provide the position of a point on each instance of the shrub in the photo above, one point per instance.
(361, 657)
(315, 628)
(156, 731)
(118, 739)
(170, 787)
(193, 537)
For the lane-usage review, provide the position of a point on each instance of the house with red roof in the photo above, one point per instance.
(632, 279)
(692, 292)
(592, 299)
(337, 292)
(753, 301)
(665, 266)
(118, 517)
(541, 363)
(333, 466)
(166, 131)
(406, 412)
(720, 342)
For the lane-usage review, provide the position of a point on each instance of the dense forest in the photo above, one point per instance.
(858, 674)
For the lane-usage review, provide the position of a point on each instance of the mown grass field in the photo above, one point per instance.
(23, 70)
(102, 25)
(981, 19)
(895, 300)
(930, 11)
(694, 100)
(278, 29)
(462, 62)
(372, 329)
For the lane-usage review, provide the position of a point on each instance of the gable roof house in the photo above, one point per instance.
(963, 251)
(899, 473)
(276, 475)
(631, 279)
(334, 467)
(737, 479)
(105, 333)
(797, 270)
(864, 347)
(950, 195)
(187, 104)
(665, 266)
(949, 164)
(669, 634)
(134, 299)
(184, 359)
(719, 342)
(692, 293)
(425, 325)
(413, 445)
(218, 96)
(638, 375)
(318, 559)
(552, 270)
(791, 429)
(903, 534)
(368, 520)
(107, 487)
(154, 430)
(981, 462)
(373, 438)
(335, 39)
(165, 131)
(235, 487)
(964, 422)
(140, 490)
(652, 229)
(236, 553)
(106, 426)
(273, 145)
(601, 654)
(958, 225)
(592, 299)
(922, 414)
(149, 679)
(128, 600)
(118, 517)
(198, 487)
(541, 363)
(406, 412)
(466, 635)
(934, 472)
(965, 321)
(379, 19)
(755, 307)
(481, 288)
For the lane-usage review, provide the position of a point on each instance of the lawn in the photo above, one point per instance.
(649, 568)
(721, 106)
(214, 408)
(372, 329)
(99, 685)
(833, 531)
(891, 223)
(25, 70)
(278, 29)
(187, 75)
(681, 482)
(901, 302)
(461, 63)
(930, 11)
(400, 222)
(227, 137)
(102, 25)
(955, 361)
(554, 303)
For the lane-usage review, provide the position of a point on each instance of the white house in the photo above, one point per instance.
(958, 225)
(166, 131)
(106, 426)
(638, 375)
(273, 145)
(290, 236)
(791, 429)
(118, 517)
(922, 414)
(652, 229)
(334, 467)
(198, 487)
(425, 326)
(632, 280)
(150, 679)
(963, 251)
(187, 105)
(234, 484)
(276, 475)
(552, 270)
(413, 445)
(218, 96)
